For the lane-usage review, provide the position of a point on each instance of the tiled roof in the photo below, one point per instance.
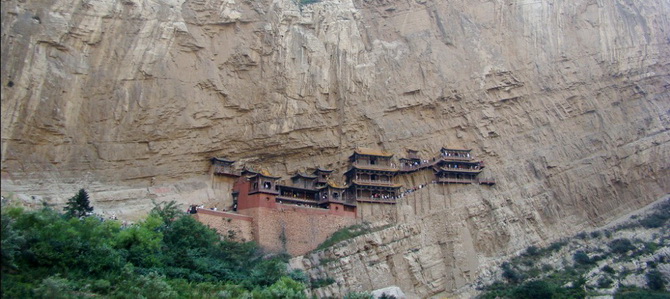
(455, 149)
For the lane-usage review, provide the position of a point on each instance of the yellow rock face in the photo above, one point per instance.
(566, 101)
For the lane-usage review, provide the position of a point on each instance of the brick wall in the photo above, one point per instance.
(235, 227)
(296, 230)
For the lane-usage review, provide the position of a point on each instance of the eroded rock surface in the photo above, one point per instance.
(568, 102)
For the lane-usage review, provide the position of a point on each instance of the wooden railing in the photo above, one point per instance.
(375, 166)
(265, 190)
(223, 170)
(453, 180)
(375, 183)
(299, 198)
(376, 200)
(468, 170)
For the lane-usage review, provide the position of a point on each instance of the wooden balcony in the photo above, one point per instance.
(225, 171)
(374, 166)
(455, 181)
(461, 170)
(375, 183)
(297, 200)
(263, 190)
(376, 200)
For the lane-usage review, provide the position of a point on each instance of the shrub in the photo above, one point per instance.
(621, 246)
(608, 269)
(534, 289)
(604, 282)
(321, 282)
(532, 251)
(595, 234)
(344, 234)
(510, 273)
(556, 246)
(358, 295)
(655, 280)
(581, 258)
(55, 287)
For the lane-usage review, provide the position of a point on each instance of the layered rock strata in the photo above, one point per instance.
(568, 102)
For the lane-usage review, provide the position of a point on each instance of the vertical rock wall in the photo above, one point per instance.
(568, 102)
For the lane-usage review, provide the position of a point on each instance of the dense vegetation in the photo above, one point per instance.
(586, 269)
(46, 254)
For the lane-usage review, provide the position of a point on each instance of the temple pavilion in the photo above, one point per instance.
(370, 178)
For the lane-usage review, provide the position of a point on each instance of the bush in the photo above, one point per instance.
(344, 234)
(321, 282)
(604, 282)
(533, 290)
(532, 251)
(608, 269)
(635, 293)
(511, 274)
(581, 258)
(64, 257)
(358, 295)
(655, 280)
(556, 246)
(621, 246)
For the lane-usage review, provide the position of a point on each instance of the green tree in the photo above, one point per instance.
(168, 211)
(284, 288)
(12, 241)
(534, 290)
(78, 205)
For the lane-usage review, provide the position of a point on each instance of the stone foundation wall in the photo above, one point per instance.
(293, 229)
(234, 227)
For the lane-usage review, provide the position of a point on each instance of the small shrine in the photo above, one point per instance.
(223, 167)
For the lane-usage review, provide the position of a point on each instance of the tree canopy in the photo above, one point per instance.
(46, 254)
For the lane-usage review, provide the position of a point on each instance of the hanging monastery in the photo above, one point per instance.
(296, 216)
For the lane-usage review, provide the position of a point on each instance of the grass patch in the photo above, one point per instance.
(348, 233)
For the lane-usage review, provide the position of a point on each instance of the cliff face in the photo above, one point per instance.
(568, 102)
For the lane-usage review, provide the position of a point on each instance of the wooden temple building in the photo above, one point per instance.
(297, 214)
(371, 177)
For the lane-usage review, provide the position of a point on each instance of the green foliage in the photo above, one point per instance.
(621, 246)
(284, 288)
(532, 251)
(604, 282)
(306, 2)
(581, 258)
(321, 282)
(556, 246)
(635, 293)
(358, 295)
(348, 233)
(167, 211)
(655, 280)
(534, 289)
(608, 269)
(49, 255)
(658, 218)
(12, 240)
(54, 287)
(78, 205)
(511, 274)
